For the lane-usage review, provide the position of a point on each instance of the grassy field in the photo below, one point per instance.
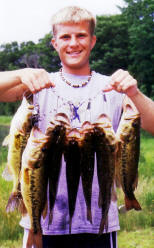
(5, 120)
(137, 228)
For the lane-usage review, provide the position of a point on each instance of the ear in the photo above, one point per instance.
(93, 42)
(53, 42)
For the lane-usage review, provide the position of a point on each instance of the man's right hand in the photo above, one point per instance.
(34, 79)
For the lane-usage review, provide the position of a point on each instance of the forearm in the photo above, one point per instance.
(11, 87)
(146, 108)
(8, 80)
(13, 94)
(13, 84)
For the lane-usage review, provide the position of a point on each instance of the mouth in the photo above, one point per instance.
(73, 53)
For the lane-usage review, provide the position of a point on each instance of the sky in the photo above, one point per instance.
(25, 20)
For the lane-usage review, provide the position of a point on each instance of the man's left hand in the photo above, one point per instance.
(123, 82)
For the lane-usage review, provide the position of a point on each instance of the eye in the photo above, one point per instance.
(81, 35)
(65, 37)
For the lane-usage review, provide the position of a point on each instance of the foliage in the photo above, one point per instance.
(9, 227)
(142, 238)
(49, 59)
(111, 50)
(8, 108)
(140, 17)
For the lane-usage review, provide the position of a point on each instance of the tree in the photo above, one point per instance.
(49, 58)
(9, 54)
(140, 17)
(111, 49)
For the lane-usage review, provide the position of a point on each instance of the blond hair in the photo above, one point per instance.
(73, 14)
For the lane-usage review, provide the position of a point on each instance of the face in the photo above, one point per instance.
(73, 42)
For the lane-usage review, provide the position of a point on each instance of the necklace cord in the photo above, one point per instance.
(75, 85)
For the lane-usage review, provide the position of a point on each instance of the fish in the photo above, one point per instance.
(128, 152)
(57, 132)
(87, 164)
(72, 156)
(16, 140)
(105, 147)
(34, 179)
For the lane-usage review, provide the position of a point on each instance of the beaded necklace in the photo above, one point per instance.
(75, 85)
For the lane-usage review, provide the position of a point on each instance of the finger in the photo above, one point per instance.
(29, 85)
(29, 79)
(46, 82)
(116, 74)
(108, 88)
(129, 83)
(44, 79)
(121, 77)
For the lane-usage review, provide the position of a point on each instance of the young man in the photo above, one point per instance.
(83, 95)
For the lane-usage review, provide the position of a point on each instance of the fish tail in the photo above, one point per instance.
(50, 218)
(132, 204)
(99, 200)
(89, 215)
(70, 225)
(14, 202)
(103, 226)
(22, 208)
(34, 239)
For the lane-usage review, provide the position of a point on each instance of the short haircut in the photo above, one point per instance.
(74, 15)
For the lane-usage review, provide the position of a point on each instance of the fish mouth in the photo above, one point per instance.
(130, 112)
(130, 117)
(62, 118)
(104, 121)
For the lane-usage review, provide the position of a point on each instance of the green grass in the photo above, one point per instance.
(10, 231)
(142, 238)
(133, 220)
(146, 166)
(5, 120)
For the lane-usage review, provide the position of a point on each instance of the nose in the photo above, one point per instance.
(73, 40)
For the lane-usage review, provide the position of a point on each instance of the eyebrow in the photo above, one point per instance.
(67, 34)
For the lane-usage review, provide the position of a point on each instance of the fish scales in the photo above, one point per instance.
(34, 178)
(128, 136)
(105, 145)
(54, 162)
(18, 135)
(54, 157)
(87, 164)
(72, 155)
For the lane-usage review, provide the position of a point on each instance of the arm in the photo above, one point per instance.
(123, 82)
(13, 84)
(146, 108)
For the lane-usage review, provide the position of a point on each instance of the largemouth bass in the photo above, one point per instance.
(33, 180)
(57, 132)
(72, 155)
(19, 132)
(128, 137)
(87, 164)
(105, 146)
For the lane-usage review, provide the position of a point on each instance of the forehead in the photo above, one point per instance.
(72, 28)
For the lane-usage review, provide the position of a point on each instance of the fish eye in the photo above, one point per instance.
(44, 149)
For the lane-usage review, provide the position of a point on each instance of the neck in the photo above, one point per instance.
(77, 71)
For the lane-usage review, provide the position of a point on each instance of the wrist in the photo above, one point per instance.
(133, 94)
(16, 75)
